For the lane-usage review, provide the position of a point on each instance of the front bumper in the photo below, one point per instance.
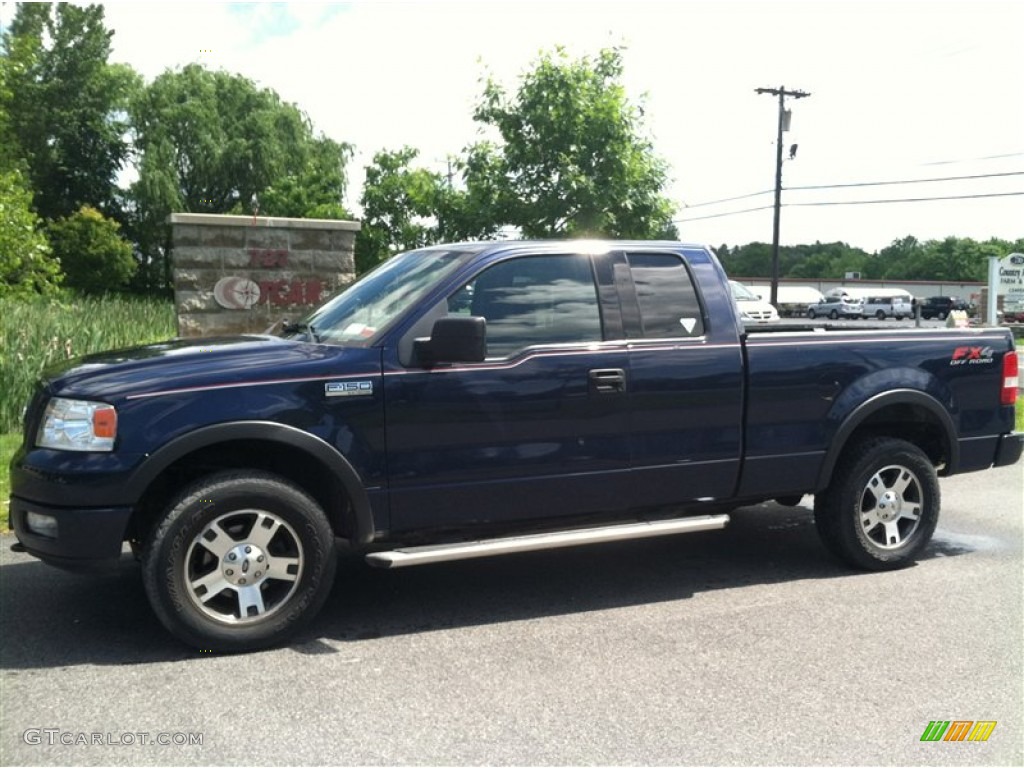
(87, 539)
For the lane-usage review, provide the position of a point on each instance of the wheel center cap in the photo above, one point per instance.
(245, 565)
(889, 506)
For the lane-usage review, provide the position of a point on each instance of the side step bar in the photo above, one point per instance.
(401, 558)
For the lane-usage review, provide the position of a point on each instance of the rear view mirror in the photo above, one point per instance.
(454, 340)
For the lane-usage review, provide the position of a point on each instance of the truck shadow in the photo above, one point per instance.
(52, 619)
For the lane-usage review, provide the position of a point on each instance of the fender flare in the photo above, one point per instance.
(267, 431)
(876, 403)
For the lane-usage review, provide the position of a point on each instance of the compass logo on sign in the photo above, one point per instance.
(236, 293)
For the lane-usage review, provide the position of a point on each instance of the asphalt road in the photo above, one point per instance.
(745, 646)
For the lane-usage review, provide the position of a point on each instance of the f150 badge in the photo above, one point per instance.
(348, 388)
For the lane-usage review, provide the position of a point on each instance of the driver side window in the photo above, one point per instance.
(533, 300)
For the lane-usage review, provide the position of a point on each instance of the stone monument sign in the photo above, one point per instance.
(244, 274)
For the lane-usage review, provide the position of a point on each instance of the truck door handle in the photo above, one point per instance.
(607, 381)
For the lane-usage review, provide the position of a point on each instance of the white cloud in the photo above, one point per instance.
(895, 85)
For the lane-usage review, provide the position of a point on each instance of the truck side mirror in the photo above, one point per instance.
(453, 340)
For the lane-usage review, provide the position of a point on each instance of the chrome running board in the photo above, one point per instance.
(440, 553)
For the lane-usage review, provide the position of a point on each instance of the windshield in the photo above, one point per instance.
(742, 293)
(372, 303)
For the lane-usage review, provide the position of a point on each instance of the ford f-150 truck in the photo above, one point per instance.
(478, 399)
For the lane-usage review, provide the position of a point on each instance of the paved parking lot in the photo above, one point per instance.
(744, 646)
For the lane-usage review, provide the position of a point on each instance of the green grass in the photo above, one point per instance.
(38, 333)
(35, 334)
(8, 444)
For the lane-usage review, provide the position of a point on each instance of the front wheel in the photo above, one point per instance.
(240, 561)
(882, 506)
(834, 314)
(811, 314)
(880, 315)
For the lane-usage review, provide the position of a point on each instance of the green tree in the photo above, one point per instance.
(94, 256)
(27, 267)
(400, 207)
(750, 260)
(901, 259)
(63, 105)
(213, 142)
(572, 160)
(953, 258)
(314, 191)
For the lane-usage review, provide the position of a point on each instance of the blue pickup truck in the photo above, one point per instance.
(478, 399)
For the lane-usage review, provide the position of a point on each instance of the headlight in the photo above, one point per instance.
(77, 425)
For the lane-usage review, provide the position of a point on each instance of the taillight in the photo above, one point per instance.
(1011, 379)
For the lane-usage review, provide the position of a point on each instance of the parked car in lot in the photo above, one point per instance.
(881, 307)
(939, 307)
(752, 308)
(835, 307)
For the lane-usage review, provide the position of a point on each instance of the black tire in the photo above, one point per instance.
(266, 545)
(873, 531)
(940, 316)
(834, 314)
(811, 314)
(880, 315)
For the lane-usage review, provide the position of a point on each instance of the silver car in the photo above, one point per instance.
(835, 307)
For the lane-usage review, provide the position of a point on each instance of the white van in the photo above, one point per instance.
(752, 308)
(881, 307)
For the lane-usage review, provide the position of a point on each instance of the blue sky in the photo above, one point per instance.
(903, 90)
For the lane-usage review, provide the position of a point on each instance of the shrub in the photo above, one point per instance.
(94, 256)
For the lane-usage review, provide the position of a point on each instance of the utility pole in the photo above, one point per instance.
(782, 93)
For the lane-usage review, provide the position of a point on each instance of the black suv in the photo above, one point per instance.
(939, 307)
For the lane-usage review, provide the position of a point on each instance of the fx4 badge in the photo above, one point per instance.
(348, 388)
(972, 356)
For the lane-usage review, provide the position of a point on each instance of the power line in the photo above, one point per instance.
(858, 184)
(909, 181)
(720, 215)
(975, 159)
(850, 202)
(728, 199)
(911, 199)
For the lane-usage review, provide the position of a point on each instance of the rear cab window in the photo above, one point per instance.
(668, 301)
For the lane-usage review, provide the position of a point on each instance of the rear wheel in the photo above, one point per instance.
(240, 561)
(834, 314)
(880, 315)
(882, 506)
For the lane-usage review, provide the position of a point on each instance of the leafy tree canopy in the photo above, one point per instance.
(63, 105)
(208, 141)
(952, 259)
(27, 267)
(572, 159)
(316, 190)
(400, 205)
(214, 142)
